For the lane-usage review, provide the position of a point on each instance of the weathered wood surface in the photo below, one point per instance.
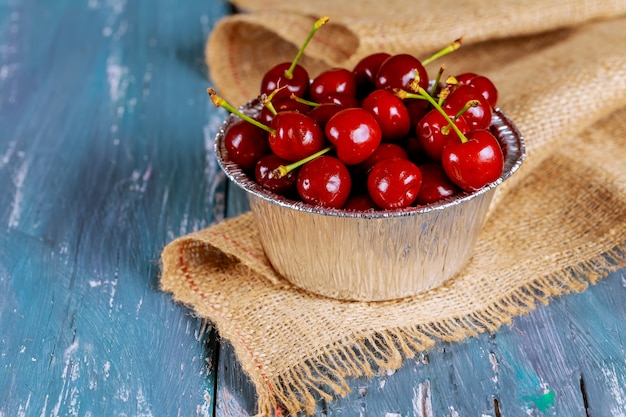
(105, 157)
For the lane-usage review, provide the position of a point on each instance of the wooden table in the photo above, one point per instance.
(105, 157)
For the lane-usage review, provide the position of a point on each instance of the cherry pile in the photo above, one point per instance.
(379, 136)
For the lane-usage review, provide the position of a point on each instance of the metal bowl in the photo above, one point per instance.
(374, 255)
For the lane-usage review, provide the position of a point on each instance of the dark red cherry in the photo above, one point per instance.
(477, 117)
(355, 133)
(482, 84)
(398, 71)
(342, 99)
(384, 151)
(390, 113)
(295, 136)
(322, 113)
(430, 135)
(436, 185)
(325, 181)
(417, 109)
(473, 164)
(264, 174)
(360, 202)
(245, 143)
(276, 79)
(334, 81)
(394, 183)
(365, 72)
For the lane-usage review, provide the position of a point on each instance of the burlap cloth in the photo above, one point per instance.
(558, 225)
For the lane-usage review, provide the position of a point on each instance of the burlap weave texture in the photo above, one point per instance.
(556, 226)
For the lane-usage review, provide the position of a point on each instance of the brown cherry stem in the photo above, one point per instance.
(456, 44)
(318, 24)
(283, 170)
(220, 102)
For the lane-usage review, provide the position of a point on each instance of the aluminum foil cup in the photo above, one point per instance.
(371, 256)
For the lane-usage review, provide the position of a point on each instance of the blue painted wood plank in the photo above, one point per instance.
(105, 156)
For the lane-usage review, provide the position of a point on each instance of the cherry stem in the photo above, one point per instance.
(267, 101)
(433, 89)
(220, 102)
(303, 101)
(283, 170)
(318, 24)
(470, 103)
(445, 51)
(421, 93)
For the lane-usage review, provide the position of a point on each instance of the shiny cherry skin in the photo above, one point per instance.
(334, 81)
(295, 136)
(436, 185)
(477, 117)
(473, 164)
(394, 183)
(483, 84)
(275, 79)
(398, 71)
(245, 144)
(390, 113)
(365, 72)
(430, 135)
(355, 133)
(324, 181)
(264, 175)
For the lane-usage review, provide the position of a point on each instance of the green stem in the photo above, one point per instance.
(445, 51)
(318, 24)
(303, 101)
(220, 102)
(421, 93)
(283, 170)
(470, 103)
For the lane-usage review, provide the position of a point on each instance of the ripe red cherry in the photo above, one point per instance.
(355, 134)
(290, 77)
(295, 136)
(325, 181)
(264, 174)
(477, 117)
(384, 151)
(390, 113)
(365, 72)
(394, 183)
(334, 81)
(360, 202)
(245, 144)
(430, 135)
(275, 78)
(435, 184)
(398, 71)
(473, 164)
(322, 113)
(482, 84)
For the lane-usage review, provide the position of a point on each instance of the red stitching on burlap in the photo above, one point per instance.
(247, 250)
(196, 289)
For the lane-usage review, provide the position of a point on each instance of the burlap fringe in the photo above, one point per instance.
(326, 377)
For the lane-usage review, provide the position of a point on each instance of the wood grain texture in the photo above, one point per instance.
(105, 156)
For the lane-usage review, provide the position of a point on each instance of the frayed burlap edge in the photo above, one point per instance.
(363, 355)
